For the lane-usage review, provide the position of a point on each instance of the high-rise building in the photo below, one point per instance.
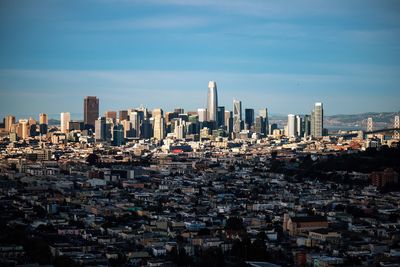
(118, 135)
(111, 115)
(229, 121)
(90, 111)
(159, 128)
(180, 129)
(272, 127)
(76, 125)
(307, 125)
(249, 117)
(259, 126)
(122, 115)
(264, 114)
(43, 122)
(134, 118)
(9, 122)
(65, 118)
(299, 126)
(179, 110)
(146, 130)
(23, 129)
(43, 118)
(202, 112)
(237, 116)
(291, 126)
(317, 120)
(212, 101)
(157, 112)
(101, 129)
(220, 117)
(158, 124)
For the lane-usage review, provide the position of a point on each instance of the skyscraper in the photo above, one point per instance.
(158, 124)
(237, 116)
(317, 120)
(101, 129)
(111, 115)
(202, 112)
(249, 117)
(118, 135)
(135, 121)
(65, 118)
(9, 121)
(228, 121)
(90, 111)
(43, 121)
(291, 125)
(299, 126)
(220, 117)
(264, 114)
(212, 101)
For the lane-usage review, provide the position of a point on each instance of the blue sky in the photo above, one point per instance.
(284, 55)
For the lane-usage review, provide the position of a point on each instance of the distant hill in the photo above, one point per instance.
(350, 121)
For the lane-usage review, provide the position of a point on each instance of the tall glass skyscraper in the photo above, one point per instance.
(317, 120)
(237, 116)
(212, 100)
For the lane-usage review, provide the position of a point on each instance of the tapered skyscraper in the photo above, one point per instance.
(212, 100)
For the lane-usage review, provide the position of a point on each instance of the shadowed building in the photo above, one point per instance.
(90, 111)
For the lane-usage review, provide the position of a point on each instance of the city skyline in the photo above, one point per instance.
(262, 53)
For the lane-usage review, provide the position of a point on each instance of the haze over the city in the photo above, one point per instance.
(285, 55)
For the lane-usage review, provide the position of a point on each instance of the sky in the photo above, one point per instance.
(283, 55)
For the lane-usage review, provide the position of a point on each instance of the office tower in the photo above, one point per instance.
(249, 117)
(43, 122)
(229, 121)
(169, 116)
(299, 126)
(118, 135)
(307, 125)
(291, 126)
(157, 112)
(194, 124)
(76, 126)
(180, 129)
(264, 113)
(272, 127)
(9, 121)
(146, 130)
(22, 129)
(317, 120)
(100, 129)
(237, 116)
(43, 118)
(90, 111)
(220, 117)
(202, 112)
(65, 118)
(212, 101)
(179, 111)
(111, 115)
(134, 118)
(127, 128)
(159, 128)
(259, 126)
(122, 115)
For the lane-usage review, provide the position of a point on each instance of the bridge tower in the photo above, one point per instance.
(370, 125)
(396, 134)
